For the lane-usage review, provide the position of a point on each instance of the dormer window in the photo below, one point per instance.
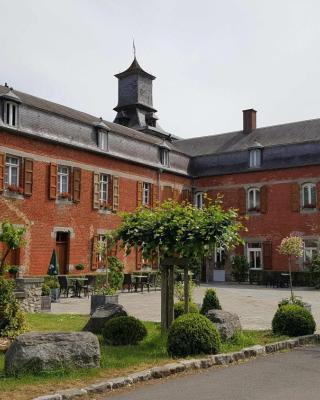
(165, 157)
(255, 156)
(103, 140)
(10, 113)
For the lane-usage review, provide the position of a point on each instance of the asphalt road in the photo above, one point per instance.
(294, 375)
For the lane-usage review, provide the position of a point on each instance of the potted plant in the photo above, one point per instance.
(107, 285)
(45, 298)
(79, 267)
(65, 195)
(13, 271)
(53, 284)
(15, 189)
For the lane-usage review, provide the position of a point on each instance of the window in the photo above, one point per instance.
(103, 140)
(310, 250)
(254, 255)
(255, 158)
(102, 243)
(63, 179)
(146, 193)
(219, 257)
(198, 201)
(253, 199)
(309, 196)
(165, 157)
(11, 114)
(11, 177)
(103, 185)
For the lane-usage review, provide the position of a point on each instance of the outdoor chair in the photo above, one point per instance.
(127, 282)
(88, 286)
(65, 285)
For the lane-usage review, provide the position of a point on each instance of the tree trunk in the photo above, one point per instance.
(167, 291)
(290, 280)
(186, 290)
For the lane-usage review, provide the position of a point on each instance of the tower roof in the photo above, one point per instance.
(134, 69)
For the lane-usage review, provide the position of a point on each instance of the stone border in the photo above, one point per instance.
(180, 366)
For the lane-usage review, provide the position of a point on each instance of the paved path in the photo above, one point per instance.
(255, 305)
(293, 375)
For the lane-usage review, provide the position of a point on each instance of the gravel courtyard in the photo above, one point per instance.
(255, 305)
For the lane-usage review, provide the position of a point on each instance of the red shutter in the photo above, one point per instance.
(76, 187)
(53, 181)
(242, 201)
(139, 193)
(263, 199)
(295, 197)
(167, 193)
(95, 191)
(267, 255)
(94, 258)
(138, 258)
(186, 195)
(115, 193)
(28, 176)
(2, 168)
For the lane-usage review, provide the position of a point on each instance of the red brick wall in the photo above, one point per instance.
(41, 215)
(279, 220)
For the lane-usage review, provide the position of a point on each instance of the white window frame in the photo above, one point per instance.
(103, 140)
(9, 167)
(63, 172)
(165, 157)
(256, 199)
(146, 193)
(199, 200)
(11, 113)
(309, 251)
(255, 249)
(309, 187)
(255, 158)
(104, 187)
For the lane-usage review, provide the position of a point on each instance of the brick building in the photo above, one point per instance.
(65, 175)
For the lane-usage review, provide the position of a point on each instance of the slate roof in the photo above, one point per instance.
(134, 69)
(292, 133)
(80, 116)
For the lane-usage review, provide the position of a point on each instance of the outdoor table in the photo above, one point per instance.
(138, 281)
(78, 286)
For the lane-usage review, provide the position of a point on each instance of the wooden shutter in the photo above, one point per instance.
(94, 254)
(242, 194)
(2, 168)
(96, 191)
(110, 191)
(76, 187)
(53, 181)
(139, 193)
(263, 199)
(115, 193)
(186, 195)
(28, 176)
(139, 258)
(167, 193)
(267, 255)
(318, 195)
(295, 197)
(154, 196)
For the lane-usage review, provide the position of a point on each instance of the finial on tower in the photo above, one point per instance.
(134, 48)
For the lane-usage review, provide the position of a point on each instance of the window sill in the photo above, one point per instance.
(104, 211)
(13, 195)
(308, 210)
(253, 212)
(64, 201)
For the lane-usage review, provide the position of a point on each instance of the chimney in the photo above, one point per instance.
(249, 120)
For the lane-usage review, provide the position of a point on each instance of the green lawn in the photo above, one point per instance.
(114, 360)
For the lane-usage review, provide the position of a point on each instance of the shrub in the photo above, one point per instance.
(115, 272)
(240, 269)
(45, 290)
(12, 320)
(210, 301)
(52, 282)
(293, 320)
(295, 300)
(179, 309)
(80, 267)
(193, 334)
(123, 331)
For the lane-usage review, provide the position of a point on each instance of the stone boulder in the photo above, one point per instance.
(226, 323)
(37, 352)
(102, 315)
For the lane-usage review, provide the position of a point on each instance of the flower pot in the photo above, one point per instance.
(55, 294)
(45, 303)
(98, 300)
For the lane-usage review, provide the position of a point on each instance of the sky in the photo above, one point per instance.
(212, 58)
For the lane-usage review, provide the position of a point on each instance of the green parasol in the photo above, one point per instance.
(54, 264)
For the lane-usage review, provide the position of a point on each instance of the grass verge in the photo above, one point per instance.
(115, 361)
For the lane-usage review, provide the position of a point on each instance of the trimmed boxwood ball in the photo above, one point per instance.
(179, 309)
(293, 320)
(210, 301)
(123, 331)
(193, 334)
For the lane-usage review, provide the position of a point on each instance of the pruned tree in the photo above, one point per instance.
(12, 239)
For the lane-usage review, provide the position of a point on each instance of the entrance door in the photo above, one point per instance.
(62, 249)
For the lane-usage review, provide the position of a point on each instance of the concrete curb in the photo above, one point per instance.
(180, 366)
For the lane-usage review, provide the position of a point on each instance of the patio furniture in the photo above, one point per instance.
(139, 281)
(65, 285)
(127, 282)
(78, 283)
(88, 285)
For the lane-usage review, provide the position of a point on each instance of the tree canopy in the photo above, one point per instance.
(179, 230)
